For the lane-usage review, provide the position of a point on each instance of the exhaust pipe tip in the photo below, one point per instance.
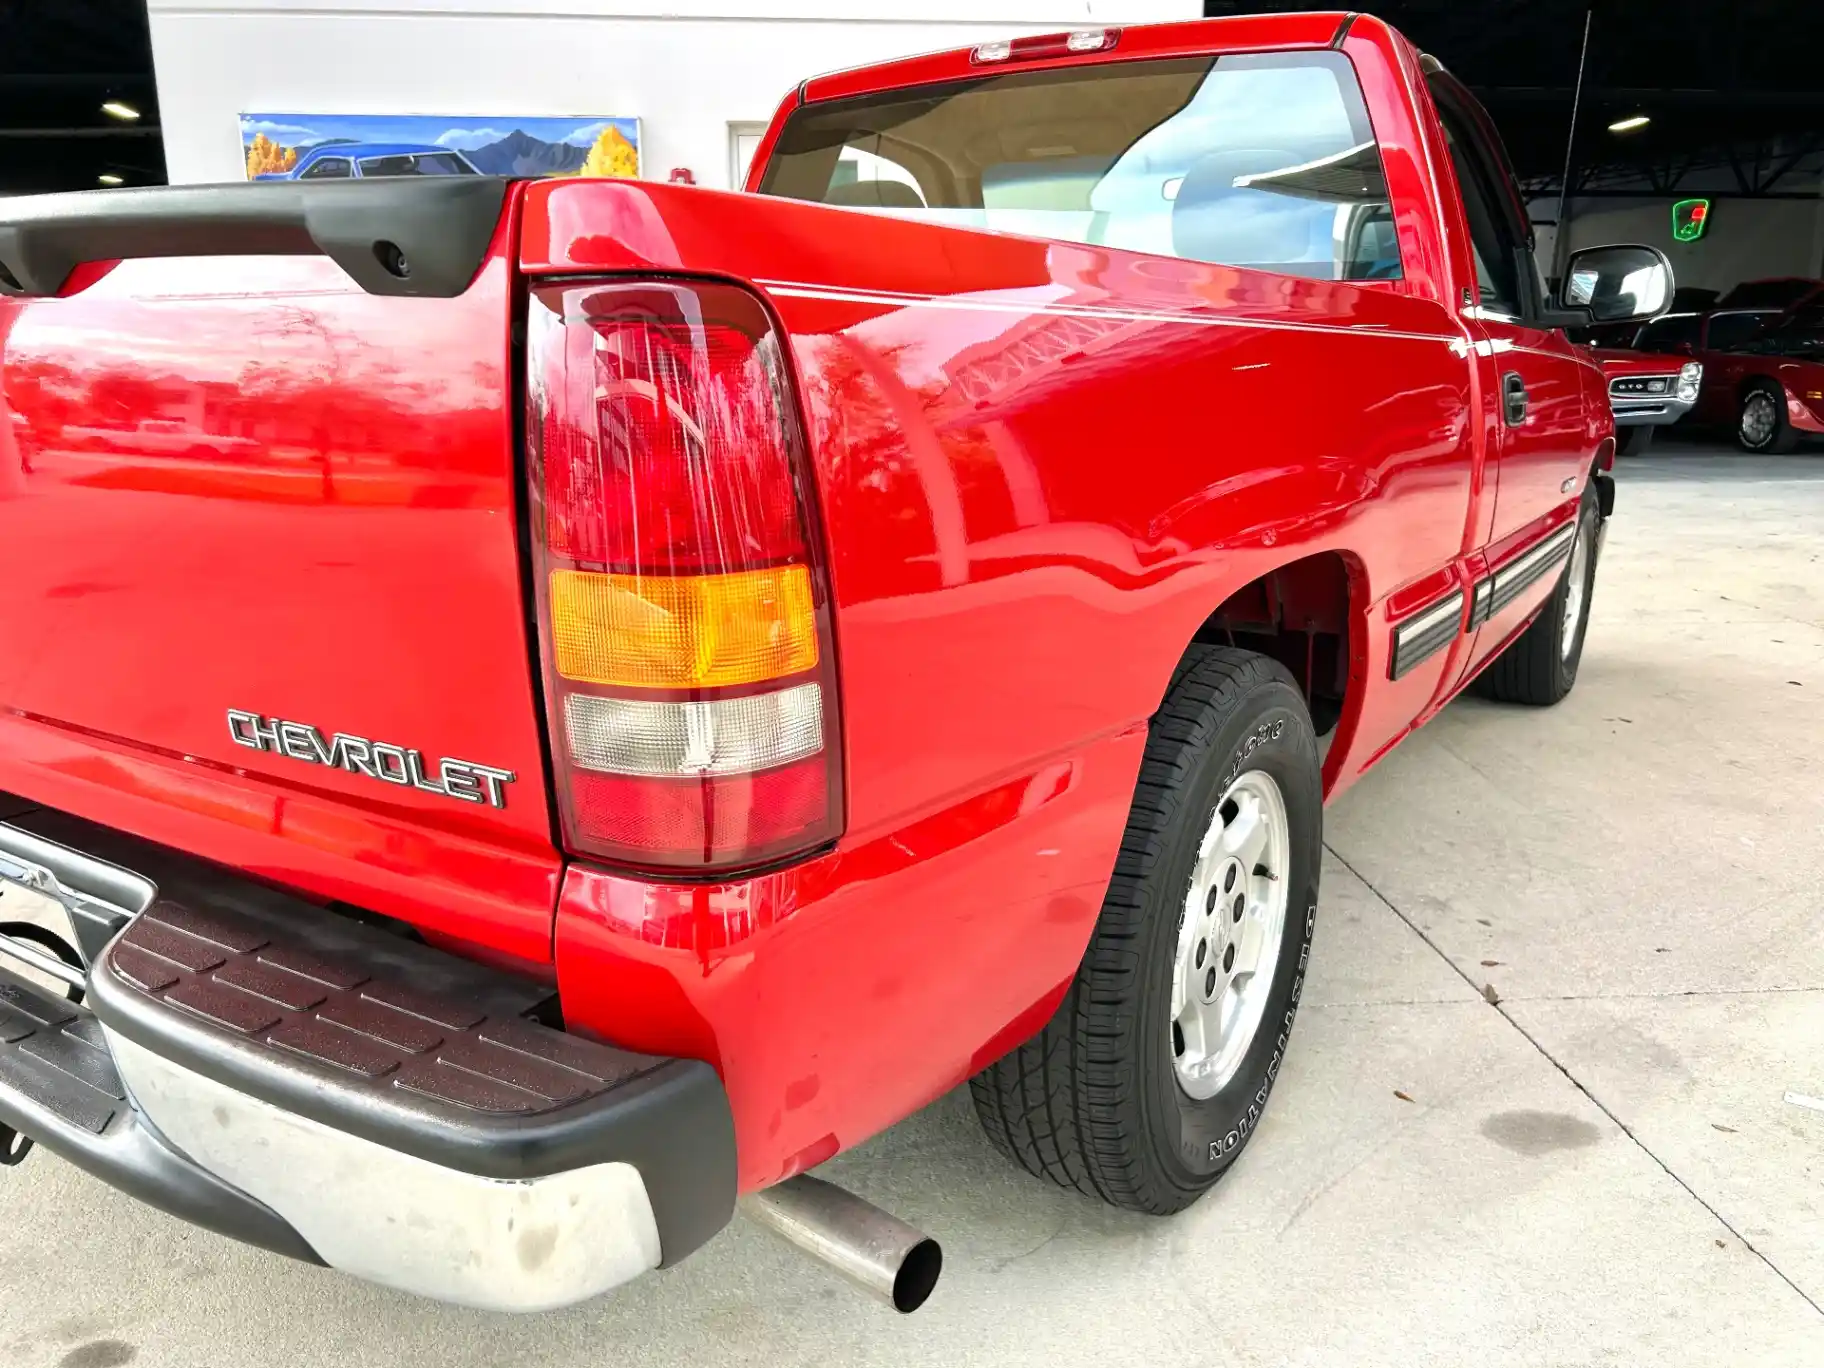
(872, 1248)
(917, 1276)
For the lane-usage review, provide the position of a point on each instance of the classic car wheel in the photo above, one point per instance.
(1762, 425)
(1152, 1075)
(1540, 666)
(1633, 441)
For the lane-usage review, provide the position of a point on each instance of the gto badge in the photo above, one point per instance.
(391, 764)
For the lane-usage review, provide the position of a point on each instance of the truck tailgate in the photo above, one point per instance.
(237, 493)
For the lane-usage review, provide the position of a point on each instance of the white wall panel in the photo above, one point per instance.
(686, 68)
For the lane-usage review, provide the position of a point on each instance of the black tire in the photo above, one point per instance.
(1633, 441)
(1536, 668)
(1782, 439)
(1094, 1102)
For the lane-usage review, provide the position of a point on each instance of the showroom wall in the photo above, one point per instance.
(699, 75)
(1747, 239)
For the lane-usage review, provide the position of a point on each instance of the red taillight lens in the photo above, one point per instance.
(684, 617)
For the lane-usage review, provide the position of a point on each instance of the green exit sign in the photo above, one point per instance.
(1690, 218)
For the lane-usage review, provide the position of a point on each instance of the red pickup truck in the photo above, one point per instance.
(634, 689)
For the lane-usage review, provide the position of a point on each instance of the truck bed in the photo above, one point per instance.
(244, 485)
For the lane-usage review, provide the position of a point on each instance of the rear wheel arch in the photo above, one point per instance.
(1757, 380)
(1309, 613)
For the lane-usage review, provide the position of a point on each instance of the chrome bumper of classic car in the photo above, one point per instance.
(1654, 400)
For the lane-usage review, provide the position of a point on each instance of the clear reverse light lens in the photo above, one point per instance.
(992, 52)
(678, 740)
(1087, 40)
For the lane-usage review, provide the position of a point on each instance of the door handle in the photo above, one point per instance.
(1513, 398)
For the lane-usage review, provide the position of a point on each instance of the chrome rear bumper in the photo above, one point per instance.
(526, 1245)
(328, 1090)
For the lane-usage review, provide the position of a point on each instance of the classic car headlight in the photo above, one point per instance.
(1690, 376)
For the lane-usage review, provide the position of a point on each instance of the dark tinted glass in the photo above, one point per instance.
(1665, 334)
(1256, 160)
(327, 168)
(1800, 334)
(1728, 331)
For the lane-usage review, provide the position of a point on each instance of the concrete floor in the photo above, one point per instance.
(1602, 1169)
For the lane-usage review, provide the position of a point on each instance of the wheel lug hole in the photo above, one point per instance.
(1209, 903)
(1203, 949)
(1241, 905)
(1209, 982)
(1228, 958)
(1228, 880)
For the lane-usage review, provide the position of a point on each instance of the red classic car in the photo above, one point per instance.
(1773, 384)
(1711, 339)
(1647, 391)
(753, 663)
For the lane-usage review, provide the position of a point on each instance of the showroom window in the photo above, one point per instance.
(1260, 160)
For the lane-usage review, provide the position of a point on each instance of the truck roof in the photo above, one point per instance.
(1252, 33)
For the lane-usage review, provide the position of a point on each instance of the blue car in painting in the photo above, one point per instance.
(357, 160)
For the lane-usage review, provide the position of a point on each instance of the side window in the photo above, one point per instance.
(327, 168)
(1802, 334)
(1668, 333)
(1491, 237)
(1731, 330)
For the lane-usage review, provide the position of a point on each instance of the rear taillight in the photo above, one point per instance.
(683, 615)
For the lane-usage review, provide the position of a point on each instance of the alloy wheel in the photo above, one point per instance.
(1230, 934)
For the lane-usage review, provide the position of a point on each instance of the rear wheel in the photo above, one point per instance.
(1540, 666)
(1761, 425)
(1153, 1073)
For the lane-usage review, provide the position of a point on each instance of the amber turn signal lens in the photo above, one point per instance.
(689, 632)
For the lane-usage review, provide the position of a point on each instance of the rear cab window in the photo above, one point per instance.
(1259, 160)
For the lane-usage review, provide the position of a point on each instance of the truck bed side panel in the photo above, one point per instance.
(1041, 467)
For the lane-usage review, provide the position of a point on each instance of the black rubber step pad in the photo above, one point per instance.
(350, 1013)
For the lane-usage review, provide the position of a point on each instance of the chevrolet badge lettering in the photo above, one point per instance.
(462, 779)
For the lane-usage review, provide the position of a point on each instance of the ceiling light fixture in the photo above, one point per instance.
(119, 110)
(108, 178)
(1629, 124)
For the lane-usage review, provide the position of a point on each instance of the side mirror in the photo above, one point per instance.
(1618, 284)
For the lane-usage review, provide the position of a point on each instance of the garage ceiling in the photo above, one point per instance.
(1734, 88)
(1730, 86)
(59, 61)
